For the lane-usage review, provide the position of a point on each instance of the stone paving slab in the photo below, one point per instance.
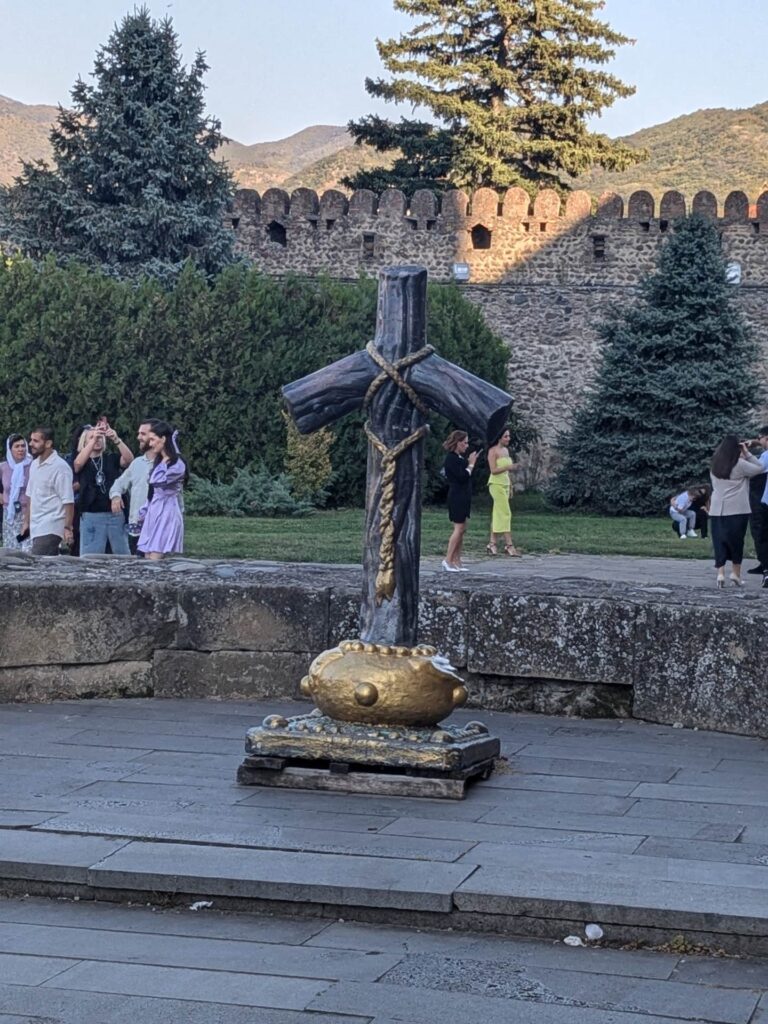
(639, 827)
(130, 964)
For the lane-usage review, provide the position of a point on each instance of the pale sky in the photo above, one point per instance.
(278, 66)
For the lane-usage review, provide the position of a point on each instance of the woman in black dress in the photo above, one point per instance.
(457, 468)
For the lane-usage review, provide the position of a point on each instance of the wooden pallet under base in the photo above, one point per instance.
(342, 777)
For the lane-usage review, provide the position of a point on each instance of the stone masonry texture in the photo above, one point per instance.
(544, 272)
(590, 647)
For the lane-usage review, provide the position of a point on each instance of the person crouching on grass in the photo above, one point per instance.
(682, 514)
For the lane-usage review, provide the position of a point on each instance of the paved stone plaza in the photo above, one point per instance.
(336, 908)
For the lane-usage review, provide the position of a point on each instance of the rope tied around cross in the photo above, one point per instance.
(385, 577)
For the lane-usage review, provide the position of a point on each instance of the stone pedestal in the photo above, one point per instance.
(317, 752)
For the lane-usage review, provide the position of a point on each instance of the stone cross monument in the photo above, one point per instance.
(385, 679)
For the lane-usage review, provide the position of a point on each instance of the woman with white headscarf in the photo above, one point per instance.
(14, 473)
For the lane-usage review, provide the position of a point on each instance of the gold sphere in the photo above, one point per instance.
(366, 694)
(306, 689)
(441, 736)
(275, 722)
(459, 696)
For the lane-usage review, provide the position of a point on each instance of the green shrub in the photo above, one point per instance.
(255, 492)
(210, 357)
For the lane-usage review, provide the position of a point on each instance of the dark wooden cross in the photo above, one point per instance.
(398, 379)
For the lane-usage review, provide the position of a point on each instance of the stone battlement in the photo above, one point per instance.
(501, 237)
(544, 271)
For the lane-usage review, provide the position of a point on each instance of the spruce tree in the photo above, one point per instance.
(135, 188)
(678, 373)
(511, 85)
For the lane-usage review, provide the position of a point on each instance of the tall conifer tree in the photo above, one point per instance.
(678, 372)
(510, 83)
(135, 188)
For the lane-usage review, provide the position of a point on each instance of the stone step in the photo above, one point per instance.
(527, 890)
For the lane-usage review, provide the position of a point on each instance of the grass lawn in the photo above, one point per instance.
(336, 536)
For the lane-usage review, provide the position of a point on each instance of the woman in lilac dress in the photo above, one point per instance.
(162, 529)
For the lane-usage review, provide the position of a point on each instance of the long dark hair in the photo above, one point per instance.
(725, 457)
(162, 429)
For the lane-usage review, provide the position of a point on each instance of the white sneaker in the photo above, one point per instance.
(692, 533)
(683, 536)
(450, 568)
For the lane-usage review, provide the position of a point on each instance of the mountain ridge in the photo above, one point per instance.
(717, 149)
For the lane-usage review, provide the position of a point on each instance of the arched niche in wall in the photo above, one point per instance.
(704, 205)
(736, 207)
(276, 233)
(481, 237)
(610, 206)
(641, 206)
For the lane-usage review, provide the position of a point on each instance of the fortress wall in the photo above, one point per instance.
(544, 272)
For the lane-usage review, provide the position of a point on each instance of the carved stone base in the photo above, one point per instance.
(316, 752)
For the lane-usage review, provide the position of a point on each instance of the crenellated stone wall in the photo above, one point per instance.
(543, 272)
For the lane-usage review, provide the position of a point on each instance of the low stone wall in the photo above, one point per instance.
(122, 627)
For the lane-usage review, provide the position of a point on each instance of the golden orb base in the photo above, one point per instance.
(384, 684)
(375, 728)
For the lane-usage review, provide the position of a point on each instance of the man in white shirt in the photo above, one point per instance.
(51, 496)
(136, 480)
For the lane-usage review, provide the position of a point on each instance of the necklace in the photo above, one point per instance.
(98, 465)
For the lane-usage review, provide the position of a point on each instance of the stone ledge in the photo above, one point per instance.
(250, 629)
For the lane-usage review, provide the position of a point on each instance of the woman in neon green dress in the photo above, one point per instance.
(499, 487)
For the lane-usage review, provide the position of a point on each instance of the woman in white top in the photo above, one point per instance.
(730, 471)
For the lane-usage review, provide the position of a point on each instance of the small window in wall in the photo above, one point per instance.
(329, 224)
(663, 225)
(645, 226)
(756, 226)
(369, 246)
(431, 225)
(481, 237)
(526, 226)
(542, 225)
(598, 247)
(276, 233)
(235, 223)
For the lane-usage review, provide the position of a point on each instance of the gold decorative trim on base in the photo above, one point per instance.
(317, 740)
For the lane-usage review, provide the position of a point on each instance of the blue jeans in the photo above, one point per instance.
(685, 520)
(96, 528)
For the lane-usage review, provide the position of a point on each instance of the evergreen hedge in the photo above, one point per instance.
(210, 356)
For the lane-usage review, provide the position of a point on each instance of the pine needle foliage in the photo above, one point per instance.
(510, 84)
(135, 189)
(677, 374)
